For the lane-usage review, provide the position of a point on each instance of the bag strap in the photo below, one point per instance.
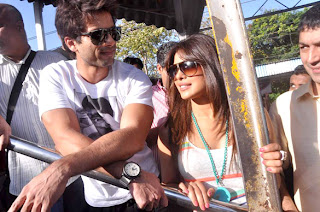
(16, 89)
(15, 92)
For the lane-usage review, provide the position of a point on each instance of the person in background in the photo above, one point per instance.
(136, 62)
(299, 77)
(25, 123)
(64, 52)
(159, 98)
(199, 152)
(296, 116)
(154, 80)
(98, 111)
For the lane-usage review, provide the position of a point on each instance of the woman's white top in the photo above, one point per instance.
(194, 164)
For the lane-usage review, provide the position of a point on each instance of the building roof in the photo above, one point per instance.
(277, 68)
(182, 15)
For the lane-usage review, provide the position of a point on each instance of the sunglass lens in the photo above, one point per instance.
(189, 68)
(97, 37)
(115, 34)
(172, 71)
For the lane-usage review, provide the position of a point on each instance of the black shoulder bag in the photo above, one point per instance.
(5, 200)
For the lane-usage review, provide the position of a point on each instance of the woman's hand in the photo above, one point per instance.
(272, 157)
(198, 194)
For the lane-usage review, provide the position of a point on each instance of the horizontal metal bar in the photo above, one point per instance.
(49, 156)
(46, 155)
(280, 11)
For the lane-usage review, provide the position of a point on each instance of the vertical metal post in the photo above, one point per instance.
(188, 16)
(37, 7)
(245, 102)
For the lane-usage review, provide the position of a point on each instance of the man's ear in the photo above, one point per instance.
(70, 43)
(159, 68)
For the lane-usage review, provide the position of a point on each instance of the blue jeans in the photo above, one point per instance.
(58, 206)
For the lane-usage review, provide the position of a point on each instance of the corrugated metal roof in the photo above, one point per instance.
(46, 2)
(277, 68)
(182, 15)
(150, 12)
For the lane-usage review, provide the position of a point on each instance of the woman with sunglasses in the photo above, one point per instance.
(200, 154)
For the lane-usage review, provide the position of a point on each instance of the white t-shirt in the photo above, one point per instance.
(25, 120)
(99, 108)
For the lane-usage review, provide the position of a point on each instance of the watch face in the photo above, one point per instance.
(132, 169)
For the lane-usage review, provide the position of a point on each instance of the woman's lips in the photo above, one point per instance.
(184, 87)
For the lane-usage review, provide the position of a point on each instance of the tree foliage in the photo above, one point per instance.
(275, 37)
(141, 41)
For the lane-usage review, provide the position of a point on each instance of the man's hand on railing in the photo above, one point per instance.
(42, 191)
(148, 192)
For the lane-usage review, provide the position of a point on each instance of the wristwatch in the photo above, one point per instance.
(131, 171)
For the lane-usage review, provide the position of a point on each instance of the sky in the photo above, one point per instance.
(249, 8)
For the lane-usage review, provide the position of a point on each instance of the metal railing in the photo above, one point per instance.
(47, 155)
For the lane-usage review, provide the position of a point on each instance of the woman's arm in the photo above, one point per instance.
(170, 175)
(271, 160)
(168, 165)
(287, 202)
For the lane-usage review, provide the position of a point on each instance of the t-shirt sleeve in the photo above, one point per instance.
(140, 89)
(52, 94)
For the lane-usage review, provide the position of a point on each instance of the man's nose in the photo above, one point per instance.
(314, 55)
(107, 39)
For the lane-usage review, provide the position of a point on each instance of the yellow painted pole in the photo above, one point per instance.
(245, 102)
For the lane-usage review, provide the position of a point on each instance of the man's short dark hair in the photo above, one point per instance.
(72, 16)
(311, 19)
(163, 51)
(300, 70)
(134, 61)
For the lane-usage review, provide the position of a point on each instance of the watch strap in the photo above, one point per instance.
(125, 180)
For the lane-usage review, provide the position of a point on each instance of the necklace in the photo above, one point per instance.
(221, 193)
(218, 178)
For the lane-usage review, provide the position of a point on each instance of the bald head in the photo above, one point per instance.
(11, 12)
(13, 39)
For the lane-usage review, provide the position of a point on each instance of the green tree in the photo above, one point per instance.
(139, 40)
(275, 38)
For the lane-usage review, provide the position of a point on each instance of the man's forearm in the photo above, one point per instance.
(108, 149)
(113, 169)
(84, 154)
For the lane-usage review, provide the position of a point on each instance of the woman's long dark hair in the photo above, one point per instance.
(201, 49)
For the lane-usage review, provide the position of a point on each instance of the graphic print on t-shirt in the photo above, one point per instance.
(95, 117)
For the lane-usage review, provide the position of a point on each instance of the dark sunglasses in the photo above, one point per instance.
(188, 68)
(99, 36)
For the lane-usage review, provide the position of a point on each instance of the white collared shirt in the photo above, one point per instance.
(296, 117)
(25, 120)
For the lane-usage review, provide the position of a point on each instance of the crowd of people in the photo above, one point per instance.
(104, 114)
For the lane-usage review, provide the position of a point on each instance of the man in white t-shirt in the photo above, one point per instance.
(98, 111)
